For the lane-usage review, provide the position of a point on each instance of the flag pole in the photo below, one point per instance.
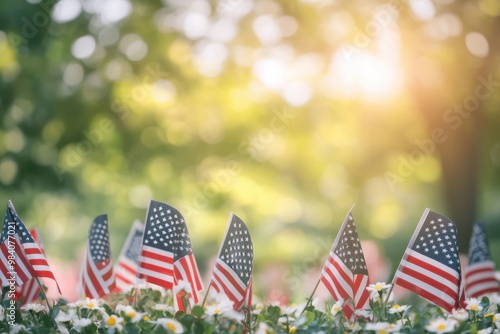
(309, 300)
(206, 294)
(42, 290)
(333, 246)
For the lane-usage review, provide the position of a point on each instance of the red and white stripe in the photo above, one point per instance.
(29, 292)
(156, 266)
(97, 279)
(225, 280)
(186, 269)
(14, 263)
(429, 279)
(342, 284)
(125, 273)
(480, 279)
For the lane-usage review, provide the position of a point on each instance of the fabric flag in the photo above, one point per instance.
(345, 274)
(166, 256)
(480, 271)
(431, 264)
(126, 266)
(20, 257)
(232, 274)
(97, 278)
(29, 292)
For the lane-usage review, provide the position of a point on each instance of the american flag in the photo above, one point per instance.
(29, 292)
(126, 267)
(345, 274)
(431, 264)
(480, 271)
(97, 278)
(232, 274)
(20, 257)
(166, 255)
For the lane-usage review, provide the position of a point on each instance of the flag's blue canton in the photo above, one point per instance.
(237, 250)
(479, 250)
(134, 249)
(349, 249)
(166, 230)
(437, 239)
(11, 216)
(99, 239)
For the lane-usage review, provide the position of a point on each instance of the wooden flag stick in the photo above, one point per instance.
(309, 300)
(47, 301)
(206, 294)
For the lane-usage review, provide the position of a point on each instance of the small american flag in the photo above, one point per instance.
(480, 271)
(97, 278)
(126, 267)
(30, 291)
(20, 257)
(345, 274)
(431, 264)
(232, 274)
(166, 255)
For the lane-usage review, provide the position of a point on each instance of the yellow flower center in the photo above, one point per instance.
(218, 311)
(441, 327)
(90, 305)
(495, 318)
(146, 318)
(336, 308)
(171, 326)
(474, 307)
(111, 321)
(395, 307)
(131, 314)
(378, 287)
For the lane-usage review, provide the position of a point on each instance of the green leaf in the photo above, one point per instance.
(198, 311)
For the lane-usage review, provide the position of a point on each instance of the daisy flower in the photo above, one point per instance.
(473, 304)
(113, 323)
(337, 307)
(441, 325)
(170, 324)
(35, 307)
(377, 289)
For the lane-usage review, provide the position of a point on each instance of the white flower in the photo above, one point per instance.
(35, 307)
(234, 315)
(182, 285)
(79, 324)
(78, 303)
(367, 314)
(131, 313)
(65, 317)
(263, 329)
(337, 307)
(170, 324)
(163, 307)
(396, 308)
(113, 322)
(377, 288)
(441, 325)
(460, 315)
(496, 320)
(221, 306)
(17, 329)
(485, 331)
(92, 304)
(473, 304)
(382, 327)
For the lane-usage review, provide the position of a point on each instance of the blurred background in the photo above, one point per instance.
(283, 112)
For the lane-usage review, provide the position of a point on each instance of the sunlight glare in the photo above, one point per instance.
(364, 74)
